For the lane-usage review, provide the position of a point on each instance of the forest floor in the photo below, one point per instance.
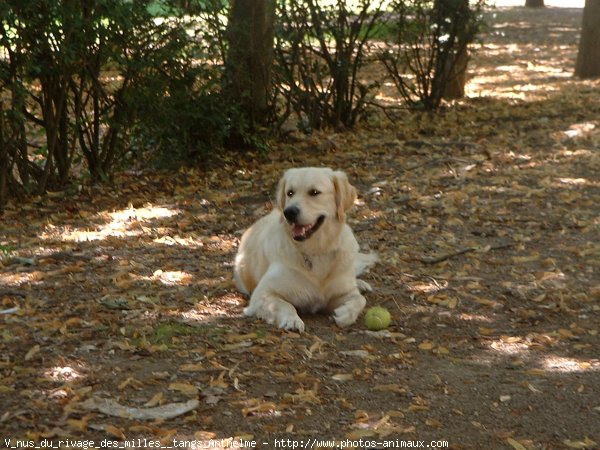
(122, 297)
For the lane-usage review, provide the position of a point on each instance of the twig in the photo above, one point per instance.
(462, 251)
(112, 408)
(385, 109)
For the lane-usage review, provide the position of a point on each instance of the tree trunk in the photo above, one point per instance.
(458, 77)
(250, 34)
(588, 56)
(534, 3)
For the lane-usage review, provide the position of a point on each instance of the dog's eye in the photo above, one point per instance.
(313, 192)
(290, 193)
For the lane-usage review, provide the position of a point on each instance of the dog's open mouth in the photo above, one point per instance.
(303, 232)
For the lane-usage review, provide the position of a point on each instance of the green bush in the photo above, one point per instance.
(81, 81)
(428, 51)
(319, 51)
(87, 86)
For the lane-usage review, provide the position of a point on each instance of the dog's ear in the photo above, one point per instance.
(345, 194)
(280, 194)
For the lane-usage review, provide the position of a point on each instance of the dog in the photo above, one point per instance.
(303, 256)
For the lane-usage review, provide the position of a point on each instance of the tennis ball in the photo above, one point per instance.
(377, 318)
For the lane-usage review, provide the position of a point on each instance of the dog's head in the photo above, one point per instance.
(310, 198)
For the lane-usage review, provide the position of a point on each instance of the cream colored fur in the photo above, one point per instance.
(283, 275)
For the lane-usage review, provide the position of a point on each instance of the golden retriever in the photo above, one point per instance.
(303, 256)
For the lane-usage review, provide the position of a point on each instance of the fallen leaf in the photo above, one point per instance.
(199, 367)
(515, 444)
(343, 377)
(536, 372)
(32, 352)
(395, 388)
(586, 443)
(433, 423)
(157, 399)
(114, 431)
(358, 434)
(185, 388)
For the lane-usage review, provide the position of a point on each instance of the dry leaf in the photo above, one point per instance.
(536, 372)
(586, 443)
(199, 367)
(359, 434)
(486, 331)
(342, 377)
(442, 350)
(32, 352)
(185, 388)
(515, 444)
(395, 388)
(115, 431)
(157, 399)
(433, 423)
(256, 406)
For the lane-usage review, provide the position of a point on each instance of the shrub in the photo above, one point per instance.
(319, 51)
(429, 46)
(80, 80)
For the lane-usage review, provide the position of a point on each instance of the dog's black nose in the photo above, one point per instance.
(291, 213)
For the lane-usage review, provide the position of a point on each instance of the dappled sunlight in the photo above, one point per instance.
(577, 181)
(17, 279)
(471, 317)
(548, 3)
(534, 364)
(62, 374)
(486, 222)
(570, 183)
(517, 82)
(129, 222)
(524, 57)
(509, 345)
(145, 213)
(172, 278)
(225, 306)
(188, 241)
(166, 278)
(425, 287)
(580, 153)
(555, 363)
(221, 243)
(579, 130)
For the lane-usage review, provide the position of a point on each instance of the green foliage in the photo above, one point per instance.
(87, 87)
(83, 81)
(5, 251)
(319, 51)
(429, 44)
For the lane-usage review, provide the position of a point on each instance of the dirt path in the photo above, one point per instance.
(126, 294)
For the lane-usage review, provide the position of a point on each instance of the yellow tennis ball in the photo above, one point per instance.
(377, 318)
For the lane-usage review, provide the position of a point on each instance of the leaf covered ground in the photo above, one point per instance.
(119, 300)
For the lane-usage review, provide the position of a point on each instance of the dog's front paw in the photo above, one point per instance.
(291, 323)
(281, 314)
(345, 315)
(363, 286)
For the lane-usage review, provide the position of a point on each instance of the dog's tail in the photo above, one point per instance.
(364, 261)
